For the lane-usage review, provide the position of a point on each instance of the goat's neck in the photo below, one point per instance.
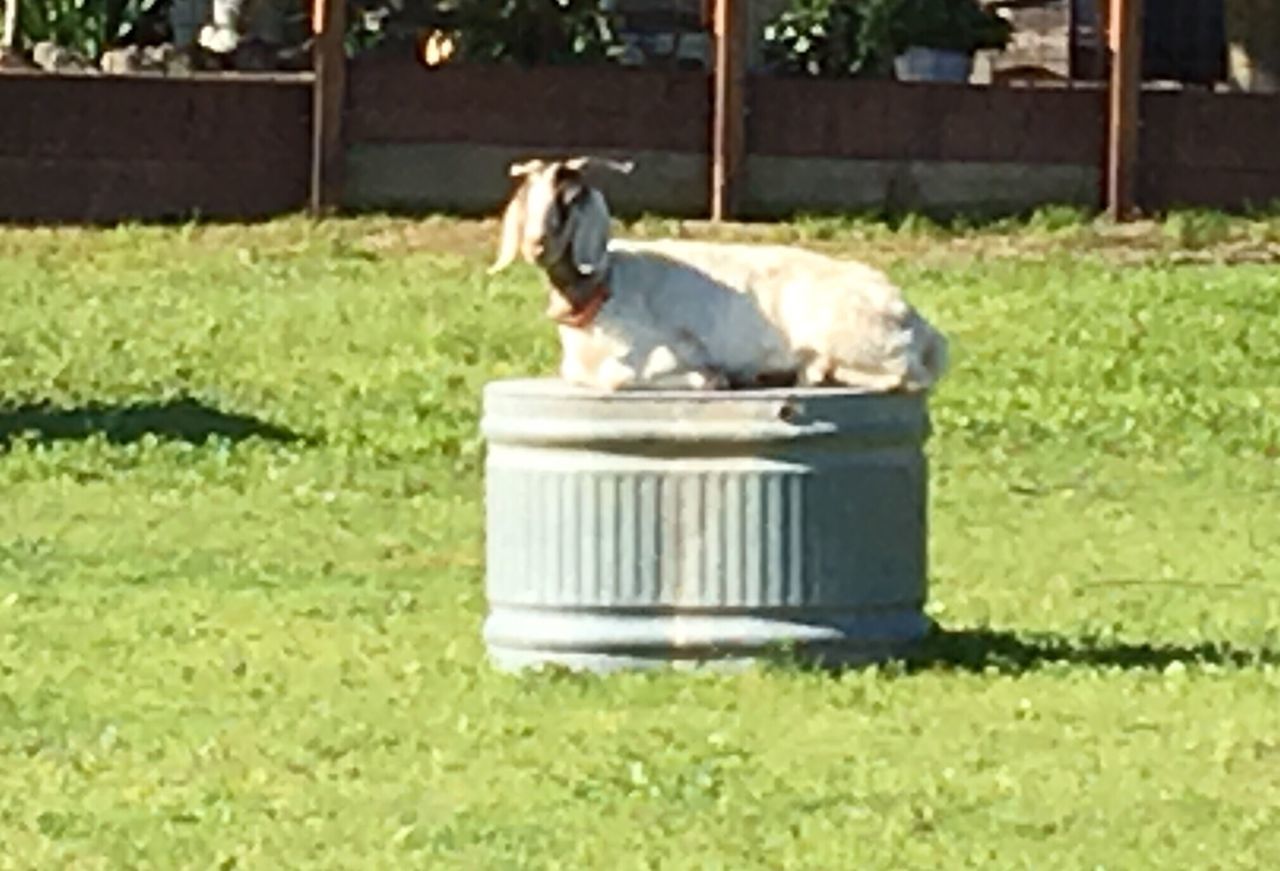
(571, 284)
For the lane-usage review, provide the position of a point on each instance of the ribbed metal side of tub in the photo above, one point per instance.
(637, 529)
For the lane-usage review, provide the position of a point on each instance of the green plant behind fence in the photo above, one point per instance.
(535, 31)
(847, 38)
(87, 26)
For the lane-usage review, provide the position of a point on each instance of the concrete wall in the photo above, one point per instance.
(780, 186)
(472, 179)
(443, 139)
(136, 148)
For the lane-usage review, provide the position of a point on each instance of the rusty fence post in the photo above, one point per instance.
(1124, 38)
(728, 140)
(328, 95)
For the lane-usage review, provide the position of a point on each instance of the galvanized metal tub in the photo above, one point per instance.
(636, 529)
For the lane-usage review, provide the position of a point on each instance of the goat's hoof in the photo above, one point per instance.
(776, 380)
(713, 381)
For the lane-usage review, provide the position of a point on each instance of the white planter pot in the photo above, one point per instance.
(933, 65)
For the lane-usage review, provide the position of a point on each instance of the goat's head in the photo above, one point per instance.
(556, 220)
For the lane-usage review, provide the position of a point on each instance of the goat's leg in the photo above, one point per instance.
(613, 374)
(683, 366)
(661, 371)
(816, 372)
(701, 379)
(822, 371)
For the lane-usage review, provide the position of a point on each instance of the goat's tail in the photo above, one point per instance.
(929, 355)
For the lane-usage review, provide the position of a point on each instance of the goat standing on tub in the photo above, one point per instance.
(675, 314)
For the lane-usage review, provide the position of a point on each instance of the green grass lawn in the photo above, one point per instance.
(241, 571)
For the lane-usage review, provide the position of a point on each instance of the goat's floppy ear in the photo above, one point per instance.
(513, 220)
(590, 230)
(585, 164)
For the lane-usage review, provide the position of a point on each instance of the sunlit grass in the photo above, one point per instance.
(241, 570)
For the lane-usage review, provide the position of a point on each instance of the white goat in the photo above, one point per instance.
(704, 315)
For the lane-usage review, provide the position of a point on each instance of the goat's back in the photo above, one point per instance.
(790, 283)
(842, 311)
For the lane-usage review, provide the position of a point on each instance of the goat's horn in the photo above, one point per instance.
(581, 163)
(525, 167)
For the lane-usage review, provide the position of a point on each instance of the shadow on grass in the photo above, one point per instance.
(995, 651)
(1007, 652)
(182, 419)
(972, 650)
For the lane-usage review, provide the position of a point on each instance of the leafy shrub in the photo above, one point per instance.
(526, 32)
(842, 38)
(949, 25)
(530, 32)
(828, 38)
(87, 26)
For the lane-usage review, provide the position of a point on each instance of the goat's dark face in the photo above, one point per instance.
(553, 195)
(553, 216)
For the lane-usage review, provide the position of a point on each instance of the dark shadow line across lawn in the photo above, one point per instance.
(1001, 651)
(182, 419)
(1006, 651)
(989, 651)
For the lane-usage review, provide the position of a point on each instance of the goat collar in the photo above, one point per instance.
(581, 316)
